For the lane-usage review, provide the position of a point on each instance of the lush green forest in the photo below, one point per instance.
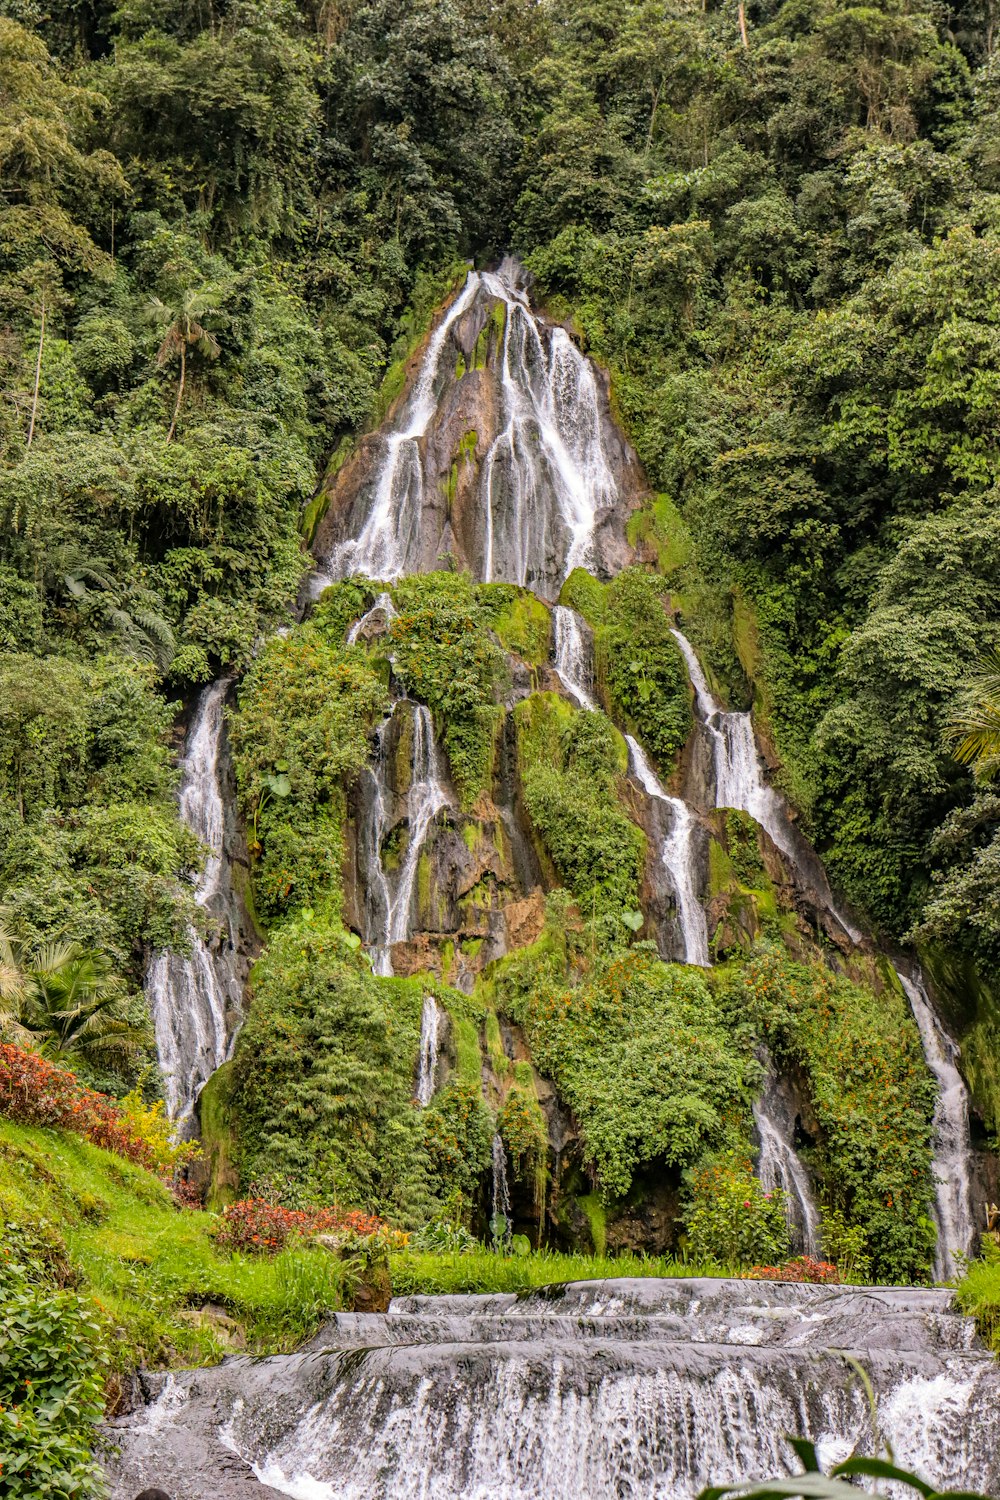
(224, 227)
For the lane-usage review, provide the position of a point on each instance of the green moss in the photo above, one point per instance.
(582, 592)
(314, 511)
(472, 836)
(499, 1061)
(594, 1211)
(519, 620)
(660, 526)
(424, 871)
(218, 1137)
(465, 1039)
(721, 872)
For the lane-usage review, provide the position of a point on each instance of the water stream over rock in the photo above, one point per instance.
(780, 1166)
(632, 1388)
(195, 998)
(430, 1026)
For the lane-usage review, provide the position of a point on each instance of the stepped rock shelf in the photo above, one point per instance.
(501, 457)
(645, 1388)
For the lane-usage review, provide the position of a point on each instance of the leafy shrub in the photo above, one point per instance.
(871, 1093)
(51, 1380)
(800, 1268)
(731, 1219)
(255, 1226)
(36, 1092)
(637, 1050)
(641, 666)
(459, 1133)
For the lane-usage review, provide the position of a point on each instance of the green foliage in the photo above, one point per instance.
(459, 1132)
(871, 1092)
(569, 762)
(306, 709)
(640, 664)
(638, 1050)
(446, 657)
(731, 1219)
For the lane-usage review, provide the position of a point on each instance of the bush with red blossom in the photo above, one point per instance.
(256, 1226)
(801, 1268)
(34, 1091)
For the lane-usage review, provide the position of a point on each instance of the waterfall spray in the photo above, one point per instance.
(192, 998)
(501, 1227)
(430, 1023)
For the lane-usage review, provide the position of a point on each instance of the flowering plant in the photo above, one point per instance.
(253, 1225)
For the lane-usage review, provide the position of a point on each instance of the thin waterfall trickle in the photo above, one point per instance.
(501, 1227)
(388, 897)
(677, 853)
(739, 774)
(383, 606)
(952, 1165)
(430, 1026)
(193, 998)
(739, 782)
(779, 1166)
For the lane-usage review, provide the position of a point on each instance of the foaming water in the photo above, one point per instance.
(649, 1389)
(544, 478)
(430, 1026)
(780, 1166)
(194, 999)
(388, 895)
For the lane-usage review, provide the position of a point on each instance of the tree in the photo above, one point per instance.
(184, 330)
(64, 1000)
(975, 728)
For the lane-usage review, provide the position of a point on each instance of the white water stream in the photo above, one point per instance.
(388, 895)
(430, 1026)
(573, 659)
(193, 998)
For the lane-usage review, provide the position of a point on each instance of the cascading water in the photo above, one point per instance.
(545, 477)
(500, 1219)
(678, 858)
(430, 1026)
(677, 854)
(382, 608)
(951, 1166)
(546, 474)
(739, 782)
(388, 897)
(739, 775)
(779, 1166)
(193, 998)
(646, 1388)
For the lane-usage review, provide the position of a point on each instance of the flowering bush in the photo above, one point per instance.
(34, 1091)
(731, 1219)
(801, 1268)
(256, 1226)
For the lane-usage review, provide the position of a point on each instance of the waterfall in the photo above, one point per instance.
(500, 1218)
(549, 450)
(739, 775)
(389, 543)
(573, 659)
(543, 481)
(383, 606)
(645, 1388)
(192, 998)
(951, 1166)
(677, 857)
(739, 782)
(430, 1023)
(779, 1166)
(388, 896)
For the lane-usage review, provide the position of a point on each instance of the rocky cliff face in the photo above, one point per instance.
(499, 457)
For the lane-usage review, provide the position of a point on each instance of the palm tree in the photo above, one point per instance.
(63, 1000)
(975, 727)
(184, 330)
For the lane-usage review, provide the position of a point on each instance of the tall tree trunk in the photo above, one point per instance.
(743, 23)
(38, 377)
(180, 394)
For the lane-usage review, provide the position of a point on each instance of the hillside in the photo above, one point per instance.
(499, 613)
